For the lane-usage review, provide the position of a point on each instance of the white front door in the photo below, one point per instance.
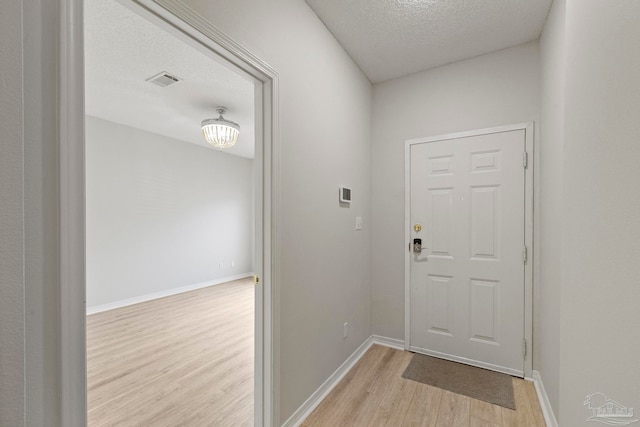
(467, 286)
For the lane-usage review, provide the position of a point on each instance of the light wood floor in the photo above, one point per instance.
(183, 360)
(374, 393)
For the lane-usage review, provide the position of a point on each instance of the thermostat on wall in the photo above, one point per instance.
(345, 194)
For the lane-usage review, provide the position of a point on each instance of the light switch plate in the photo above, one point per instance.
(358, 223)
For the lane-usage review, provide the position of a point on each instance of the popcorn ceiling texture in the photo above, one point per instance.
(389, 39)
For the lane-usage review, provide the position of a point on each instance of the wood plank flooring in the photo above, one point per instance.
(187, 360)
(183, 360)
(373, 393)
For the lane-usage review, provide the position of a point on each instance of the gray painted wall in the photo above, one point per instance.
(599, 335)
(12, 369)
(490, 90)
(162, 213)
(547, 296)
(29, 349)
(42, 242)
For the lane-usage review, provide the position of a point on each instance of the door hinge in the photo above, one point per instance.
(524, 254)
(256, 280)
(524, 348)
(525, 159)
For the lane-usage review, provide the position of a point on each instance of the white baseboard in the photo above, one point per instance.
(388, 342)
(543, 398)
(162, 294)
(318, 396)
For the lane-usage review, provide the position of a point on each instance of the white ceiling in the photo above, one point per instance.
(394, 38)
(123, 49)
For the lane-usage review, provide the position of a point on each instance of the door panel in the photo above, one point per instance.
(438, 303)
(484, 318)
(485, 222)
(467, 285)
(440, 204)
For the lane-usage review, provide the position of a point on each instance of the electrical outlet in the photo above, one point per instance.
(233, 263)
(346, 330)
(221, 265)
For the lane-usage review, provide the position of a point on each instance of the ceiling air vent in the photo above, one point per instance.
(163, 79)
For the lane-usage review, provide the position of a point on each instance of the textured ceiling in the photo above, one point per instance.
(123, 49)
(394, 38)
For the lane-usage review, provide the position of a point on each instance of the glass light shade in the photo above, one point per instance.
(220, 133)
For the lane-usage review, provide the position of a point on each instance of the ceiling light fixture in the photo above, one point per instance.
(220, 133)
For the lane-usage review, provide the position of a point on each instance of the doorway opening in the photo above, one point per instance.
(75, 185)
(170, 229)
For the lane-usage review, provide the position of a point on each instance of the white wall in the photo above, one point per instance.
(325, 106)
(162, 213)
(490, 90)
(551, 155)
(600, 342)
(12, 370)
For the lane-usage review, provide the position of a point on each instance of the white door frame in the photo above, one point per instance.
(197, 31)
(528, 235)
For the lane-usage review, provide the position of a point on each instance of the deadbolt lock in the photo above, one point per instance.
(417, 228)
